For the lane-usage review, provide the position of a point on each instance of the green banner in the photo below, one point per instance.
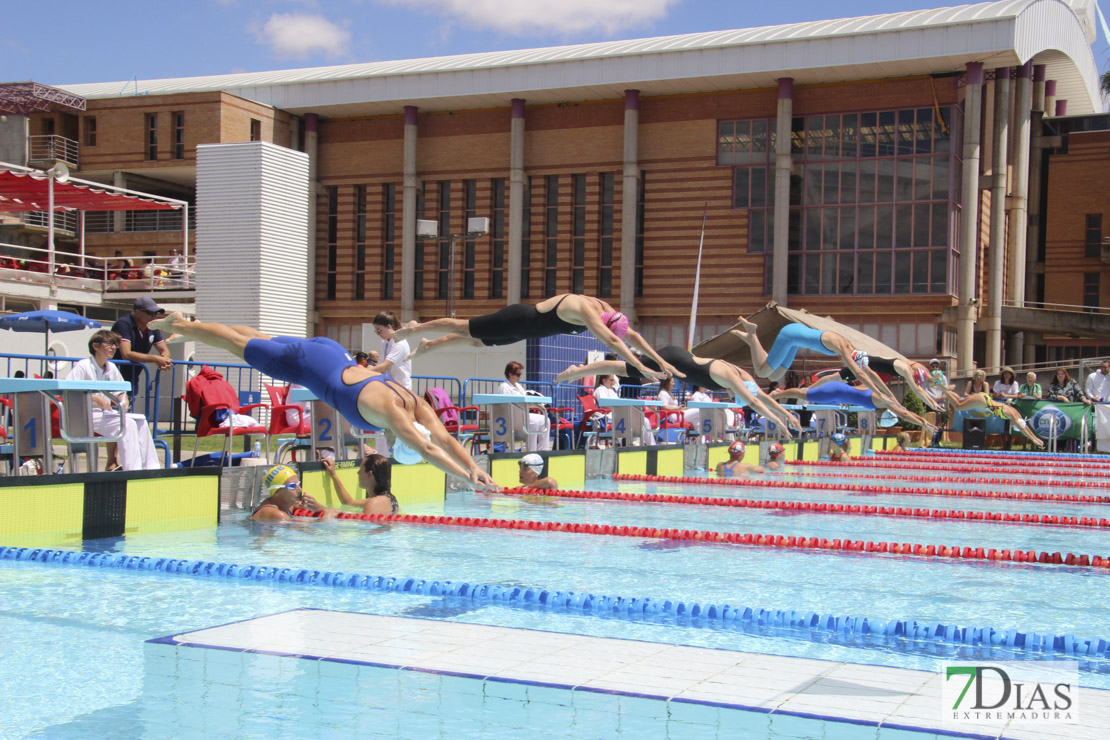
(1069, 417)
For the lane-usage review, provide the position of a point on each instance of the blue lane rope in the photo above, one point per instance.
(842, 629)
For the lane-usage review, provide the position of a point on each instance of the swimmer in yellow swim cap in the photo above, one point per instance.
(284, 487)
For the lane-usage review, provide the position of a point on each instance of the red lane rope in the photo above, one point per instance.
(756, 540)
(1025, 457)
(847, 471)
(764, 483)
(818, 507)
(868, 462)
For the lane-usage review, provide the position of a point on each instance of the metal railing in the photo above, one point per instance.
(64, 221)
(1071, 307)
(32, 264)
(104, 222)
(53, 148)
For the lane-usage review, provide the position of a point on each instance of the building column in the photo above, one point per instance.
(1049, 97)
(629, 197)
(969, 218)
(1019, 216)
(119, 218)
(516, 198)
(1061, 107)
(408, 219)
(1020, 349)
(783, 165)
(1000, 147)
(295, 133)
(311, 134)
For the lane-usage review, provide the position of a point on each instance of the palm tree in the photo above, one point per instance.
(1105, 82)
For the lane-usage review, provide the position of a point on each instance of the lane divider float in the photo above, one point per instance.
(1062, 498)
(1100, 460)
(821, 627)
(819, 507)
(847, 472)
(868, 547)
(870, 462)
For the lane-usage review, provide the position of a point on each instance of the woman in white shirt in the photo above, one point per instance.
(1006, 387)
(538, 438)
(394, 351)
(606, 390)
(136, 448)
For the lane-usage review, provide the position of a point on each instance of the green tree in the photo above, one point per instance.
(914, 404)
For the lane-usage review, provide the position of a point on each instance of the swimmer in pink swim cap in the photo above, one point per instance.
(568, 313)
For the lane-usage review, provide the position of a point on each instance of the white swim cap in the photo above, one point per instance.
(534, 461)
(406, 455)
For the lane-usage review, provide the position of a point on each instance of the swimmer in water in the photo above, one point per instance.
(736, 467)
(284, 487)
(776, 458)
(375, 474)
(568, 313)
(365, 399)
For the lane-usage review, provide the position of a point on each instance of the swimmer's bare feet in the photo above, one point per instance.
(748, 326)
(167, 322)
(420, 348)
(568, 374)
(406, 330)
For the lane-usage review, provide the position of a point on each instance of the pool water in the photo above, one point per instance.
(79, 662)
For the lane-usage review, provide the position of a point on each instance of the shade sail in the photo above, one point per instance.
(30, 192)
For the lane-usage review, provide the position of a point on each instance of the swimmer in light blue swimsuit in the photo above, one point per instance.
(793, 337)
(364, 398)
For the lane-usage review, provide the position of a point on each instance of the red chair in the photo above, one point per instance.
(214, 400)
(588, 426)
(280, 424)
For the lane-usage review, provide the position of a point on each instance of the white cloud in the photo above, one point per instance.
(299, 35)
(547, 17)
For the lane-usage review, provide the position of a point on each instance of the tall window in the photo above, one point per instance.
(389, 239)
(418, 257)
(470, 210)
(151, 136)
(444, 271)
(526, 240)
(333, 238)
(578, 235)
(640, 200)
(871, 198)
(605, 245)
(1090, 290)
(178, 134)
(551, 236)
(360, 243)
(497, 232)
(1092, 242)
(90, 130)
(256, 130)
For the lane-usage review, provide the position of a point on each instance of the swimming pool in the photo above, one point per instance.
(84, 629)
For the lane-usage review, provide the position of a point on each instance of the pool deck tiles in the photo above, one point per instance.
(681, 675)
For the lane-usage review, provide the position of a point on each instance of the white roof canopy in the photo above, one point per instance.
(1008, 33)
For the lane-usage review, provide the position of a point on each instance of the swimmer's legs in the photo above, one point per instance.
(452, 326)
(729, 376)
(602, 367)
(430, 345)
(230, 338)
(1019, 421)
(759, 355)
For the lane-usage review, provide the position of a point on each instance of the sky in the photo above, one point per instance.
(119, 40)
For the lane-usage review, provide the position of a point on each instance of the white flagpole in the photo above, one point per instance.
(697, 282)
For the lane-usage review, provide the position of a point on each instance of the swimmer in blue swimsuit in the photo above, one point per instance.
(835, 393)
(1003, 411)
(364, 398)
(736, 467)
(716, 375)
(793, 337)
(568, 313)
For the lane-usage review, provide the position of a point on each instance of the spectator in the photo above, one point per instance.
(1063, 388)
(605, 391)
(1006, 387)
(375, 474)
(136, 448)
(538, 438)
(122, 269)
(177, 267)
(1031, 388)
(362, 359)
(977, 384)
(394, 351)
(137, 340)
(1098, 383)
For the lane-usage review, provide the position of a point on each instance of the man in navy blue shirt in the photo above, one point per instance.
(138, 342)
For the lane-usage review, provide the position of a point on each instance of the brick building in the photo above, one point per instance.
(846, 167)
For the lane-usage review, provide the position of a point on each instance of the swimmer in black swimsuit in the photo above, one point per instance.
(568, 313)
(363, 397)
(716, 375)
(1003, 411)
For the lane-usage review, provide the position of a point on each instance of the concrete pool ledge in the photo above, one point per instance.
(684, 677)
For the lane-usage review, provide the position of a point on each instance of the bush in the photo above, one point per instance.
(914, 404)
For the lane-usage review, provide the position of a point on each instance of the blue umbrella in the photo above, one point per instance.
(46, 322)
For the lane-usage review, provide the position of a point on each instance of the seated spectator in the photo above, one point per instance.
(1098, 383)
(977, 384)
(136, 448)
(1063, 388)
(1006, 387)
(362, 359)
(1031, 388)
(375, 474)
(537, 436)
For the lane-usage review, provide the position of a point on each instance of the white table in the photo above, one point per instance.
(712, 422)
(31, 399)
(503, 407)
(628, 418)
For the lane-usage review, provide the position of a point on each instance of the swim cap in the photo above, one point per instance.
(277, 476)
(860, 358)
(616, 322)
(406, 455)
(776, 449)
(534, 461)
(840, 438)
(736, 449)
(919, 376)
